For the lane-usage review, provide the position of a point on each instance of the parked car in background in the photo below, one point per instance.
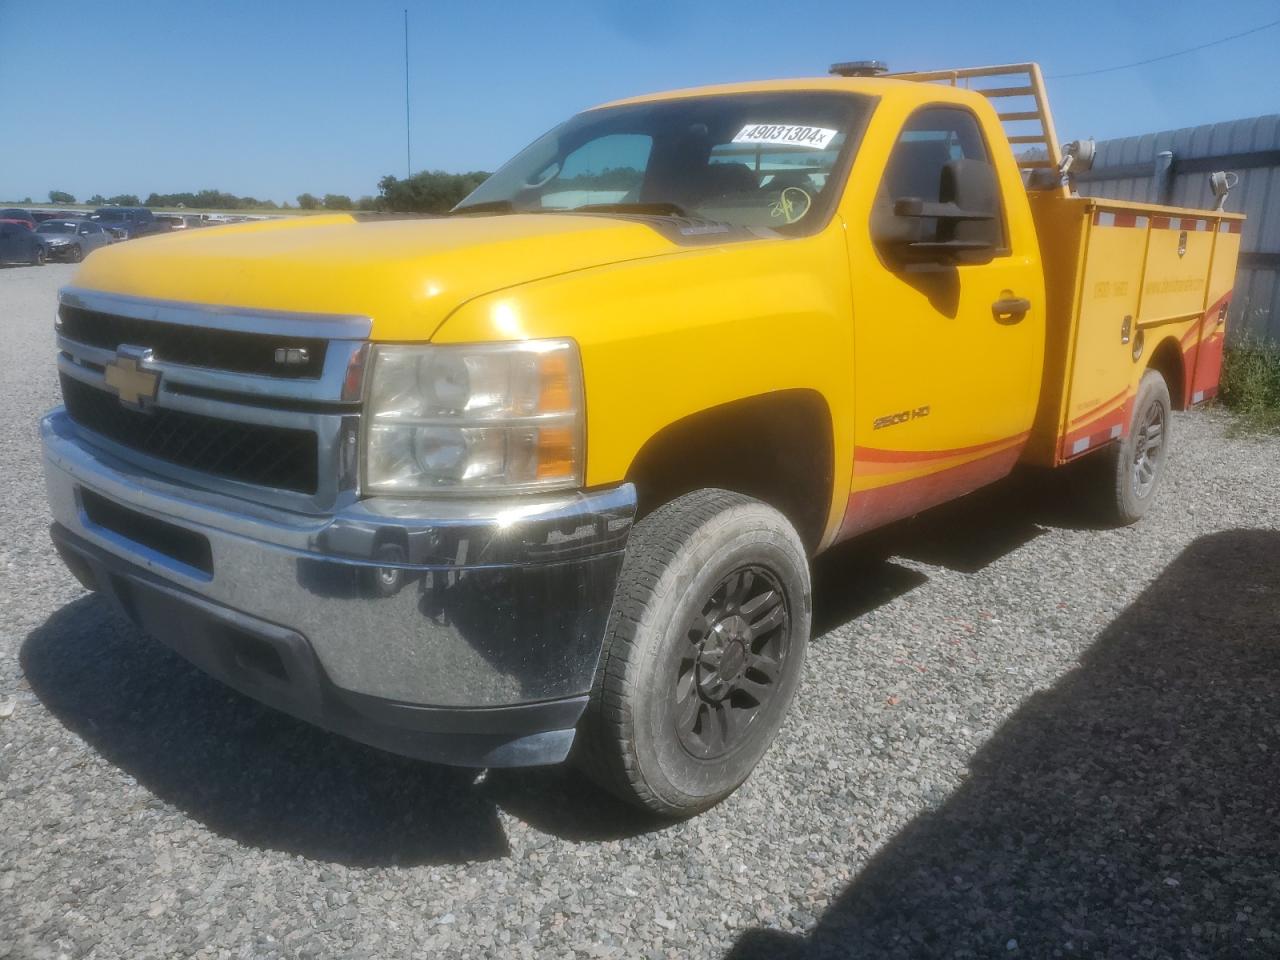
(127, 223)
(178, 221)
(22, 216)
(19, 243)
(72, 239)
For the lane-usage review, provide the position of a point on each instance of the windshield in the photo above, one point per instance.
(111, 215)
(749, 160)
(50, 227)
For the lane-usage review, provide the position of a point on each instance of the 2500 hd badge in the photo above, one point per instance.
(894, 419)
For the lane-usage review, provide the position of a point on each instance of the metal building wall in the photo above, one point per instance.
(1125, 169)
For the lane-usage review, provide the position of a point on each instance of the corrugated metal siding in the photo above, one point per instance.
(1256, 305)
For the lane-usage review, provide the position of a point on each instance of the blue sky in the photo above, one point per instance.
(272, 98)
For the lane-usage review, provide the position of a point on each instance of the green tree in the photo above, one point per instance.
(367, 203)
(60, 196)
(125, 200)
(210, 200)
(97, 200)
(431, 191)
(308, 202)
(337, 201)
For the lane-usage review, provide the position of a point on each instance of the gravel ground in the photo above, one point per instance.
(1017, 736)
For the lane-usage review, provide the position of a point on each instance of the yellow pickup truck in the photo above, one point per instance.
(544, 476)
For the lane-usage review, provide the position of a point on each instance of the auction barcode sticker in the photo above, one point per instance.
(788, 134)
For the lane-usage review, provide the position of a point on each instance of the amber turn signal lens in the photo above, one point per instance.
(556, 454)
(555, 394)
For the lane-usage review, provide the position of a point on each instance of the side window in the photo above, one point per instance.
(930, 140)
(609, 169)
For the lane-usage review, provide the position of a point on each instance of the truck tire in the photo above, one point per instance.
(703, 651)
(1134, 467)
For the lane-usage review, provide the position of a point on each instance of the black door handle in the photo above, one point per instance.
(1010, 309)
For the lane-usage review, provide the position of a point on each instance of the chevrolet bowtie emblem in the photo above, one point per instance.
(134, 385)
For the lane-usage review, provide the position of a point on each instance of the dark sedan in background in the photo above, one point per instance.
(19, 243)
(127, 222)
(73, 239)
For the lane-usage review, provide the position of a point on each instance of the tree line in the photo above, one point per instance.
(431, 191)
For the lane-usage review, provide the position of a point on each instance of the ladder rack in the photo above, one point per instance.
(1021, 83)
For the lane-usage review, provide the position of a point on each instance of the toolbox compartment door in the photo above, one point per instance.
(1106, 325)
(1211, 332)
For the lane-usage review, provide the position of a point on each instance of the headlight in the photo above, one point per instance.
(503, 417)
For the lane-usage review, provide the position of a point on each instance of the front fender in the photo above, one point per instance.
(665, 338)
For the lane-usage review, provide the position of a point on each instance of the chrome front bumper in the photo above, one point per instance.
(433, 619)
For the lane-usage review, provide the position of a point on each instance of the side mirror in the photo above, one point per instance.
(962, 226)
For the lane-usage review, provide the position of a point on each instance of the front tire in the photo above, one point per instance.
(37, 258)
(703, 652)
(77, 254)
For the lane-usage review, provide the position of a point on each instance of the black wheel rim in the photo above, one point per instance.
(1148, 450)
(733, 663)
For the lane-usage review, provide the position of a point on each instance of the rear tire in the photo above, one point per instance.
(703, 651)
(1130, 472)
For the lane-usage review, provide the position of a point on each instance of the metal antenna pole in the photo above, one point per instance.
(408, 153)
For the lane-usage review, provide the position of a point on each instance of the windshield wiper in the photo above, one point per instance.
(488, 206)
(659, 208)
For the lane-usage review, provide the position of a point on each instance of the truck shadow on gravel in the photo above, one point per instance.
(243, 770)
(964, 535)
(262, 778)
(1129, 811)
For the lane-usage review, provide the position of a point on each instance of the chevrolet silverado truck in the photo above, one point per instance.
(544, 477)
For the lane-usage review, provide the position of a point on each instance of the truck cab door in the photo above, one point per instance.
(948, 319)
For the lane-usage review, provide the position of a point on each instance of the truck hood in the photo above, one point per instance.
(407, 275)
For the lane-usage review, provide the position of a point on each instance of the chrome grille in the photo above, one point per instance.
(195, 346)
(222, 419)
(252, 453)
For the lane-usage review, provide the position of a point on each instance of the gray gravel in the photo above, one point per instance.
(1017, 736)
